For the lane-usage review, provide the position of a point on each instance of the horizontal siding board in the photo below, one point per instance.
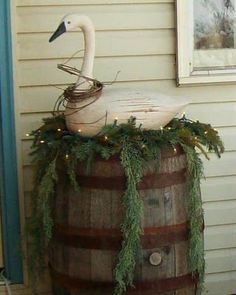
(112, 43)
(217, 237)
(220, 260)
(228, 136)
(218, 188)
(217, 114)
(42, 98)
(26, 147)
(86, 2)
(220, 213)
(194, 95)
(37, 99)
(220, 284)
(105, 69)
(112, 17)
(220, 167)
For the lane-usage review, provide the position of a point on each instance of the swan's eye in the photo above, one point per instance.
(69, 22)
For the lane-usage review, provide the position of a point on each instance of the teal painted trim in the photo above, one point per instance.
(8, 172)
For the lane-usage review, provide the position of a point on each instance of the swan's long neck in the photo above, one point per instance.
(89, 45)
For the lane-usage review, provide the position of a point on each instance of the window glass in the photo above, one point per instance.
(214, 35)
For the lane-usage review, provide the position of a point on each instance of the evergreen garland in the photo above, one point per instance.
(131, 160)
(41, 226)
(196, 260)
(55, 146)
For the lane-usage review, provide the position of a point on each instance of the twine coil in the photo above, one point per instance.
(74, 95)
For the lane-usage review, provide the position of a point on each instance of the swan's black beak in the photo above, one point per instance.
(60, 30)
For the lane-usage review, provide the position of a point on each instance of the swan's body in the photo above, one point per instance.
(150, 108)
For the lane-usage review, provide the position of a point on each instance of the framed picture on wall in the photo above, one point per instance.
(206, 41)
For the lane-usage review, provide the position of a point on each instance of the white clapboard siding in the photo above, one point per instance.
(28, 3)
(218, 114)
(221, 188)
(42, 98)
(114, 17)
(220, 260)
(220, 284)
(220, 236)
(222, 212)
(110, 43)
(136, 37)
(105, 69)
(220, 167)
(228, 136)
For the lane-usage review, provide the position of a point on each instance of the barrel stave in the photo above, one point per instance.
(99, 207)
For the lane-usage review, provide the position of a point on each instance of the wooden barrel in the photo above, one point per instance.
(87, 236)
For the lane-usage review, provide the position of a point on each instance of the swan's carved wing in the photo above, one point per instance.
(150, 108)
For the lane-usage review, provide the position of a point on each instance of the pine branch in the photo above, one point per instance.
(131, 160)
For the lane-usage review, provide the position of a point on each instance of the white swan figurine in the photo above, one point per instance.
(150, 108)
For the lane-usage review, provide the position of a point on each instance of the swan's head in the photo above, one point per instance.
(71, 22)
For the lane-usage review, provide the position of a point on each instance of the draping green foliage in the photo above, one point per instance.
(195, 214)
(131, 160)
(54, 145)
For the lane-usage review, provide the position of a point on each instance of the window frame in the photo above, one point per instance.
(185, 73)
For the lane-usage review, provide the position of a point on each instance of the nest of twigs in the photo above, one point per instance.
(75, 95)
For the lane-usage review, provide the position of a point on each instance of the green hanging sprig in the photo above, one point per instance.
(196, 260)
(132, 162)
